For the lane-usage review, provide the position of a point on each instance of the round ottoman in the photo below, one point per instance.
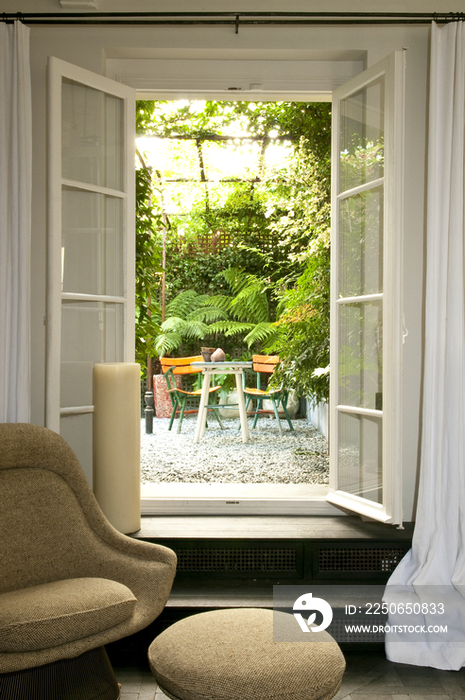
(231, 655)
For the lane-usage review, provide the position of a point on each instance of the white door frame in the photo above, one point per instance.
(390, 509)
(59, 70)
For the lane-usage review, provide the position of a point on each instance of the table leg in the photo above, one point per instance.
(202, 415)
(241, 402)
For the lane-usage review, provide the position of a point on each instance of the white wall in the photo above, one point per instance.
(317, 415)
(245, 6)
(214, 59)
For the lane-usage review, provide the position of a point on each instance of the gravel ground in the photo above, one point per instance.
(299, 457)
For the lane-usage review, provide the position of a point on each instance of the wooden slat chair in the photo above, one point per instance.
(184, 399)
(265, 364)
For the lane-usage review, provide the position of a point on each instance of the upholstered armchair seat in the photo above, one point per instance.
(62, 612)
(69, 582)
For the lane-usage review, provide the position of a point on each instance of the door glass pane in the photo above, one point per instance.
(361, 355)
(92, 243)
(360, 456)
(361, 140)
(92, 136)
(77, 431)
(361, 244)
(91, 332)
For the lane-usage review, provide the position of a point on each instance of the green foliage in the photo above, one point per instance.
(293, 119)
(361, 162)
(299, 209)
(187, 320)
(201, 270)
(148, 269)
(250, 305)
(358, 165)
(148, 252)
(250, 296)
(193, 316)
(303, 331)
(144, 116)
(267, 289)
(227, 382)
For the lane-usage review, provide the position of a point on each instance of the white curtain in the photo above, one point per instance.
(434, 569)
(15, 222)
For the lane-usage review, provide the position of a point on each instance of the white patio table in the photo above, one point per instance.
(209, 369)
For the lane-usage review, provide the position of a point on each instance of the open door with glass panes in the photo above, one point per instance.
(91, 250)
(366, 269)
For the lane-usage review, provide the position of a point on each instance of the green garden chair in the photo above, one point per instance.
(266, 364)
(184, 400)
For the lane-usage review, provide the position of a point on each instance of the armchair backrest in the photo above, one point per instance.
(52, 529)
(49, 515)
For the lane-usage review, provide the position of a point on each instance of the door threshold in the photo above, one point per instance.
(164, 528)
(235, 499)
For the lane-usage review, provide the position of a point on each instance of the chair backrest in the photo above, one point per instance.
(265, 363)
(47, 506)
(181, 365)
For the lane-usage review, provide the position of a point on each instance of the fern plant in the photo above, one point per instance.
(249, 307)
(245, 314)
(187, 319)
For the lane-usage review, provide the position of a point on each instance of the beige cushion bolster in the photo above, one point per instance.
(55, 613)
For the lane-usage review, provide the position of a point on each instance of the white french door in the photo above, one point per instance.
(366, 311)
(91, 244)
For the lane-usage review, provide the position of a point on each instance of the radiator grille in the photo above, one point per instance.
(366, 559)
(236, 559)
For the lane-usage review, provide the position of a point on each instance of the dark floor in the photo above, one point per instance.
(369, 676)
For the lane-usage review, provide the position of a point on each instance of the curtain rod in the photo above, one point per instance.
(235, 19)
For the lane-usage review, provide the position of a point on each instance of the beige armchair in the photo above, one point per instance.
(69, 582)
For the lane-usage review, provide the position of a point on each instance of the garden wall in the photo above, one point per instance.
(317, 415)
